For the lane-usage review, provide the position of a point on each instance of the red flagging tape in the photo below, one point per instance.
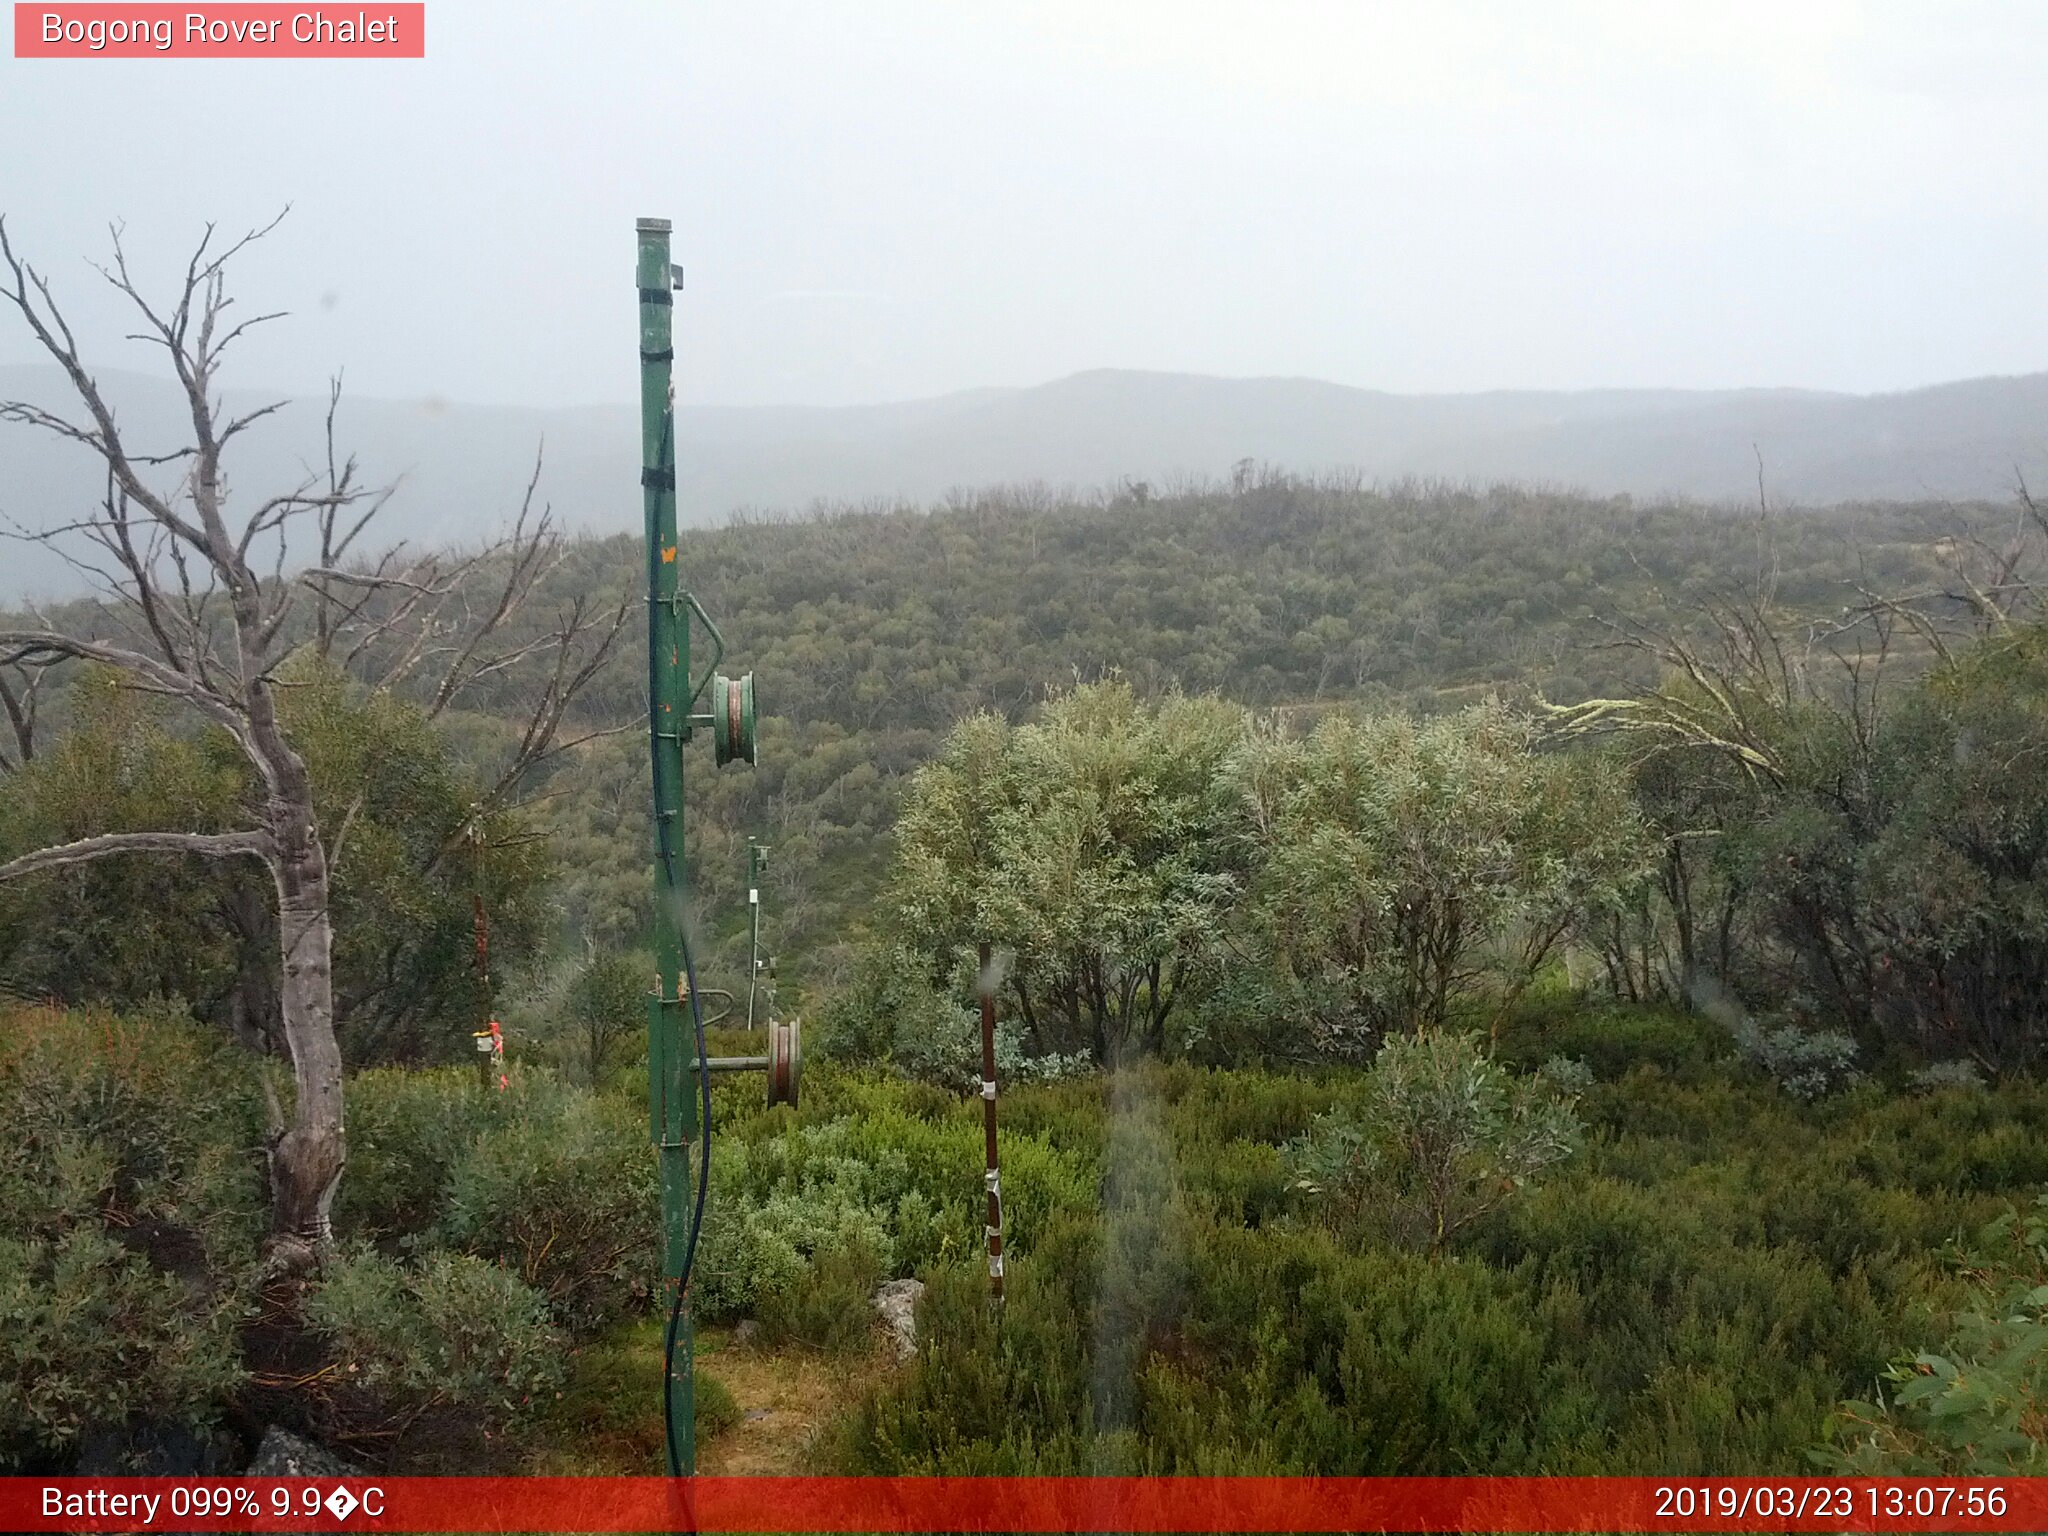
(934, 1504)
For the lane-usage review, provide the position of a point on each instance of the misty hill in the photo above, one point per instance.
(463, 466)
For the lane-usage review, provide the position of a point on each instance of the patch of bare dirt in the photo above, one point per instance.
(788, 1397)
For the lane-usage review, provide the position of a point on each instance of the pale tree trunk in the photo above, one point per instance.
(253, 1012)
(306, 1160)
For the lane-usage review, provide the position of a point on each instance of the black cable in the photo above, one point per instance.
(675, 1308)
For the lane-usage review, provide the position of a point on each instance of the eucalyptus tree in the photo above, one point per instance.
(1087, 846)
(1404, 870)
(211, 601)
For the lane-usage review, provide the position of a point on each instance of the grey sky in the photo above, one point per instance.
(891, 199)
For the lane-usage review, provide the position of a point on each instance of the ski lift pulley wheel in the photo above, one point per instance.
(732, 718)
(785, 1061)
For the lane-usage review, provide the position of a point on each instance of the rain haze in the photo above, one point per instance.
(1621, 247)
(890, 201)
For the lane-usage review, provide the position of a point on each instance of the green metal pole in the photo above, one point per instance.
(672, 1107)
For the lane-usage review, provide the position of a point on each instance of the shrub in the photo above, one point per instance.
(131, 1200)
(90, 1338)
(717, 1409)
(988, 1394)
(1961, 1073)
(454, 1331)
(406, 1132)
(1443, 1135)
(1806, 1063)
(564, 1194)
(1396, 863)
(1692, 1294)
(769, 1225)
(1984, 1142)
(1977, 1406)
(938, 1167)
(829, 1306)
(1614, 1040)
(887, 1015)
(168, 1111)
(910, 1184)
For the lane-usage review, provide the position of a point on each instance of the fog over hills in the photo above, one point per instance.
(462, 467)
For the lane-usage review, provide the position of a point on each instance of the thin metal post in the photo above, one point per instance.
(756, 858)
(672, 1107)
(993, 1177)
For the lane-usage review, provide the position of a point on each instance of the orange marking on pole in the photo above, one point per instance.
(668, 556)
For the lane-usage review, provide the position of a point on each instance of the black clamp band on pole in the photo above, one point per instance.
(656, 296)
(658, 479)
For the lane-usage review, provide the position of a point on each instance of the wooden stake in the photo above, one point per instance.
(993, 1177)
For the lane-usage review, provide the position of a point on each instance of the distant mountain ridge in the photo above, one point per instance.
(463, 466)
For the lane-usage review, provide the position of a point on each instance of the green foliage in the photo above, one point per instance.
(1806, 1063)
(830, 1306)
(1962, 1074)
(758, 1248)
(415, 860)
(130, 1204)
(453, 1331)
(1441, 1136)
(121, 931)
(888, 1012)
(1399, 864)
(1297, 898)
(563, 1193)
(606, 1007)
(406, 870)
(1977, 1404)
(92, 1337)
(717, 1409)
(1695, 1291)
(1873, 877)
(556, 1184)
(407, 1130)
(875, 1167)
(1087, 847)
(875, 631)
(1614, 1039)
(1692, 1293)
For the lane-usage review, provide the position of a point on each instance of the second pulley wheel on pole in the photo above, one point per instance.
(785, 1061)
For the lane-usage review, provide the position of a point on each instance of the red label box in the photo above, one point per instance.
(919, 1506)
(374, 30)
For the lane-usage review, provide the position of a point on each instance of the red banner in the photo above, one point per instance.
(234, 31)
(1022, 1504)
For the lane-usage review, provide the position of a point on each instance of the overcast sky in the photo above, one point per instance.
(889, 199)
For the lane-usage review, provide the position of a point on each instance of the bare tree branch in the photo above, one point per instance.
(19, 697)
(213, 845)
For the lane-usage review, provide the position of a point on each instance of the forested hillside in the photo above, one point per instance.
(462, 462)
(870, 631)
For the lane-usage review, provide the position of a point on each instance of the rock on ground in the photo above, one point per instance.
(283, 1454)
(897, 1302)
